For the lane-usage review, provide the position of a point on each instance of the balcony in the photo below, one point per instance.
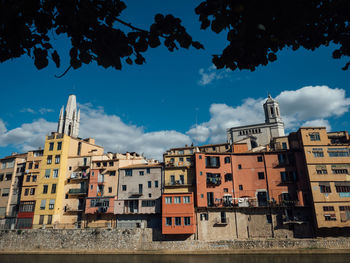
(177, 183)
(73, 209)
(77, 191)
(79, 176)
(178, 164)
(135, 194)
(102, 209)
(221, 221)
(100, 179)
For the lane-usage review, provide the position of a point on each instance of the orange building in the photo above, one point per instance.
(178, 216)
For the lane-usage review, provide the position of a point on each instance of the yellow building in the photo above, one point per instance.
(327, 163)
(54, 192)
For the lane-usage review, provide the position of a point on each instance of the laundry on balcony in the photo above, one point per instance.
(213, 179)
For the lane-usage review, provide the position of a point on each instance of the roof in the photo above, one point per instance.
(140, 165)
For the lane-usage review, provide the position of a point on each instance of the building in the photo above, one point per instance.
(326, 159)
(138, 202)
(11, 176)
(29, 187)
(103, 187)
(249, 194)
(260, 134)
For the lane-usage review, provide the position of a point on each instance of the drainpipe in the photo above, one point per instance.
(233, 193)
(268, 194)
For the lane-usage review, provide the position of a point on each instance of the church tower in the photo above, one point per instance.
(273, 116)
(70, 118)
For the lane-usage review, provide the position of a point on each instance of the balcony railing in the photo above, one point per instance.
(68, 208)
(77, 191)
(221, 221)
(135, 193)
(177, 183)
(79, 176)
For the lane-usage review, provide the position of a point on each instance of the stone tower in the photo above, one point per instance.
(70, 118)
(273, 116)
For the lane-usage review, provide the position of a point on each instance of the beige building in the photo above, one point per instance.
(327, 163)
(11, 175)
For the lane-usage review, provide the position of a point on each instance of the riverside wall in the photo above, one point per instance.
(140, 241)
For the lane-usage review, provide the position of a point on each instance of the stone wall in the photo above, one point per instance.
(140, 240)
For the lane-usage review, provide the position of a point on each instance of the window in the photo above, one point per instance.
(42, 204)
(28, 178)
(51, 146)
(5, 192)
(182, 179)
(112, 173)
(104, 163)
(34, 177)
(328, 208)
(148, 170)
(172, 179)
(26, 191)
(109, 189)
(325, 189)
(168, 221)
(225, 190)
(59, 146)
(261, 175)
(330, 217)
(186, 199)
(200, 156)
(49, 219)
(123, 187)
(140, 188)
(227, 160)
(148, 203)
(45, 187)
(168, 200)
(52, 204)
(41, 220)
(240, 187)
(315, 136)
(187, 221)
(111, 163)
(223, 217)
(177, 200)
(53, 189)
(260, 158)
(210, 198)
(284, 146)
(128, 172)
(317, 152)
(177, 221)
(55, 173)
(8, 177)
(239, 166)
(339, 171)
(141, 172)
(27, 206)
(338, 152)
(342, 188)
(1, 177)
(49, 159)
(32, 191)
(204, 217)
(321, 171)
(180, 152)
(149, 195)
(30, 166)
(212, 162)
(57, 159)
(181, 159)
(156, 184)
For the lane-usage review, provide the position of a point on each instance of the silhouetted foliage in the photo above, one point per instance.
(258, 29)
(29, 26)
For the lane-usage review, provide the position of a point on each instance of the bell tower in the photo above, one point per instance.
(69, 119)
(272, 111)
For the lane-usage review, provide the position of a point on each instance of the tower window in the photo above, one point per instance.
(271, 109)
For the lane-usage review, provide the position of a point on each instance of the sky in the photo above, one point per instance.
(176, 98)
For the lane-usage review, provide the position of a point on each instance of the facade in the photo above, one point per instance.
(138, 202)
(54, 193)
(103, 187)
(11, 176)
(327, 164)
(250, 194)
(260, 134)
(29, 187)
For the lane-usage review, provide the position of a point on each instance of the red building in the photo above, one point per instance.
(178, 216)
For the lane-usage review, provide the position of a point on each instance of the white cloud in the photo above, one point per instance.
(42, 111)
(306, 106)
(210, 74)
(317, 123)
(28, 136)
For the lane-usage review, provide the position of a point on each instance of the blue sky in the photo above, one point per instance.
(175, 98)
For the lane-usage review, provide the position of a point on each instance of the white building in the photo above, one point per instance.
(260, 134)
